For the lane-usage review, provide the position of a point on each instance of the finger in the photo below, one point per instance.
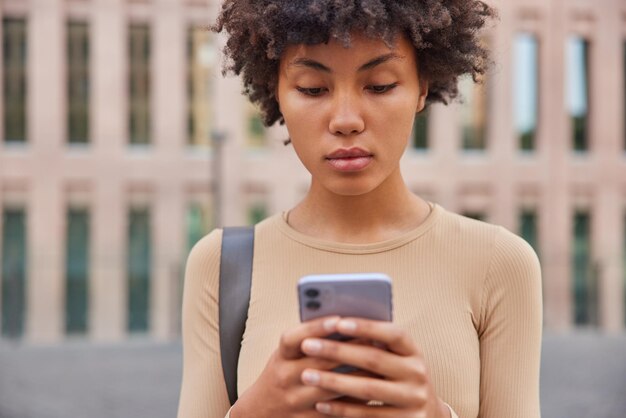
(350, 410)
(371, 359)
(366, 388)
(388, 333)
(314, 363)
(289, 373)
(305, 397)
(290, 340)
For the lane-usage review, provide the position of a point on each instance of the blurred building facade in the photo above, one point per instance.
(111, 110)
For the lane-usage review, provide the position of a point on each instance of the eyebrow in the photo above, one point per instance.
(309, 63)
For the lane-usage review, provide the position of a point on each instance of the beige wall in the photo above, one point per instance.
(108, 176)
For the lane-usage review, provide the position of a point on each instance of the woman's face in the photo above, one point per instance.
(350, 111)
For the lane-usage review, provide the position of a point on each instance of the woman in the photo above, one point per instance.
(347, 78)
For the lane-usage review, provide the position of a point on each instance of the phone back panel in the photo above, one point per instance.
(366, 295)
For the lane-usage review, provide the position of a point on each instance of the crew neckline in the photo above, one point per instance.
(369, 248)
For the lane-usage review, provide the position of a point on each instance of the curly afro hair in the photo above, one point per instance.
(445, 34)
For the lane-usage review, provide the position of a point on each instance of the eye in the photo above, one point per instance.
(380, 89)
(314, 91)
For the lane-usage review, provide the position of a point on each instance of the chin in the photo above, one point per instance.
(351, 188)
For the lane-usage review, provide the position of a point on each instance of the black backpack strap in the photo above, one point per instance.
(235, 282)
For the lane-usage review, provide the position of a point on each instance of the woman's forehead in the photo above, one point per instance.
(361, 49)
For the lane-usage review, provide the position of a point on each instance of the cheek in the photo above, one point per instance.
(302, 117)
(395, 122)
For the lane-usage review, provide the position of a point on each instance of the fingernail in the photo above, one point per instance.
(346, 325)
(311, 346)
(330, 324)
(324, 408)
(310, 377)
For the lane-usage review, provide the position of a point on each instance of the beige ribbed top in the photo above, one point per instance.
(469, 294)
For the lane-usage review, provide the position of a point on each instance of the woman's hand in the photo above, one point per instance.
(279, 392)
(404, 388)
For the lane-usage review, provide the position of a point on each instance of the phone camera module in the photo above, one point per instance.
(312, 293)
(313, 305)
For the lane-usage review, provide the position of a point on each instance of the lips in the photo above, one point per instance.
(354, 152)
(349, 159)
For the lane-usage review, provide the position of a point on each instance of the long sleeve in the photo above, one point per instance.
(510, 332)
(203, 392)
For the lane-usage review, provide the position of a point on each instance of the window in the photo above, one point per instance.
(256, 213)
(473, 113)
(78, 82)
(13, 272)
(139, 84)
(199, 223)
(528, 228)
(578, 91)
(420, 131)
(77, 271)
(256, 129)
(200, 58)
(525, 90)
(139, 269)
(583, 274)
(14, 79)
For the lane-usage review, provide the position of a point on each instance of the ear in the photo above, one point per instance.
(421, 102)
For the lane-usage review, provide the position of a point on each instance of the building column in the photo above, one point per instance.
(108, 288)
(445, 151)
(169, 103)
(608, 220)
(167, 261)
(606, 245)
(555, 233)
(285, 191)
(2, 15)
(502, 147)
(46, 109)
(229, 113)
(2, 207)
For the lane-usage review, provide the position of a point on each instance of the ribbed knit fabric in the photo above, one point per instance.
(468, 293)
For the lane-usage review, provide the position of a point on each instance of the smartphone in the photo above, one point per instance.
(363, 295)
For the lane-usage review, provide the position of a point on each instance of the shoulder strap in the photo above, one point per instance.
(235, 281)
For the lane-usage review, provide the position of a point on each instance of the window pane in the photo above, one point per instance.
(525, 90)
(14, 79)
(13, 272)
(200, 60)
(77, 271)
(139, 83)
(78, 82)
(139, 269)
(256, 129)
(257, 213)
(420, 131)
(578, 91)
(198, 223)
(473, 113)
(583, 275)
(528, 228)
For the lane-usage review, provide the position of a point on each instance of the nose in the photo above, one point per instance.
(346, 118)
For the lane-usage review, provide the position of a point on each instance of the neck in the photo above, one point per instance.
(384, 213)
